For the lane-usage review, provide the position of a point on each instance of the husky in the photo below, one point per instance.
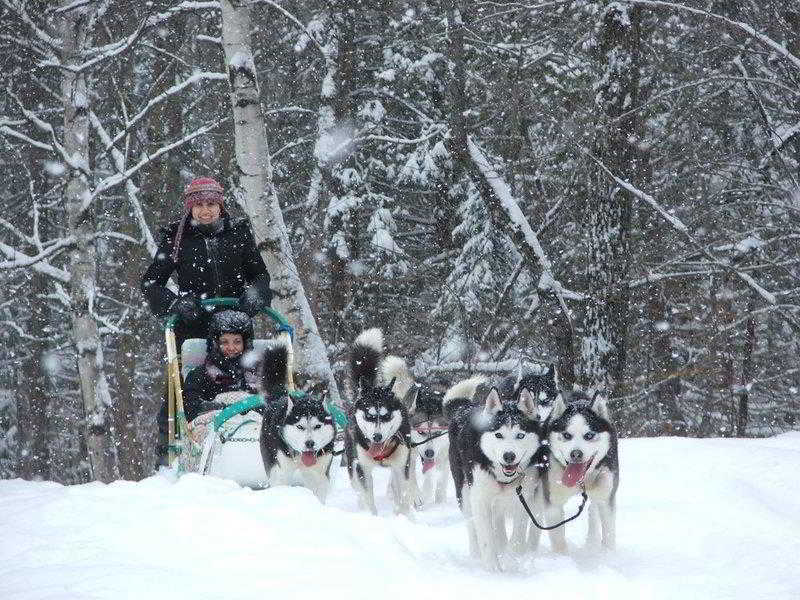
(492, 444)
(429, 439)
(543, 386)
(378, 432)
(580, 454)
(297, 434)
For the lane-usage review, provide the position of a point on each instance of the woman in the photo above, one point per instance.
(212, 256)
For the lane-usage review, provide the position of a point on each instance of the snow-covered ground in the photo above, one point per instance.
(708, 519)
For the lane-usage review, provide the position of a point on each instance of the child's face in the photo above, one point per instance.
(231, 344)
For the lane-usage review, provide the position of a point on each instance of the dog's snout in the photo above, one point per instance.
(509, 457)
(377, 437)
(576, 455)
(428, 453)
(310, 444)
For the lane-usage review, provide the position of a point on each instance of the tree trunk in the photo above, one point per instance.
(33, 393)
(605, 320)
(83, 263)
(260, 199)
(748, 371)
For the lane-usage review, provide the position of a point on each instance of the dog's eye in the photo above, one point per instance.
(588, 436)
(317, 426)
(498, 435)
(566, 436)
(301, 428)
(520, 435)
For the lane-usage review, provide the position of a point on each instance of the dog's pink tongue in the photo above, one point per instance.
(574, 473)
(308, 458)
(427, 463)
(375, 450)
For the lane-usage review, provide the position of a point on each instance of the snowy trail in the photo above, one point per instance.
(711, 519)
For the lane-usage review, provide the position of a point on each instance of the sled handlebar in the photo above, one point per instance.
(256, 401)
(278, 318)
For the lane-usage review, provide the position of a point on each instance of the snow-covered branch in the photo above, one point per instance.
(8, 131)
(119, 178)
(519, 224)
(132, 190)
(170, 91)
(679, 226)
(16, 260)
(748, 29)
(294, 20)
(19, 8)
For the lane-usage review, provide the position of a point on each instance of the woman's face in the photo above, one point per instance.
(231, 344)
(206, 212)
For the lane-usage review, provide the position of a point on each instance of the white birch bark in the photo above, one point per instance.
(260, 199)
(95, 393)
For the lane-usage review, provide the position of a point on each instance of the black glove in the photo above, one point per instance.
(251, 302)
(188, 307)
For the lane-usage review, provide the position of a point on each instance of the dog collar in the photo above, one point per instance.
(519, 476)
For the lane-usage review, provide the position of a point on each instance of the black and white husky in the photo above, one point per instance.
(492, 444)
(541, 383)
(296, 434)
(378, 432)
(429, 439)
(581, 454)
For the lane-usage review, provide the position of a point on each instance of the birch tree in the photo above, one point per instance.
(77, 23)
(260, 199)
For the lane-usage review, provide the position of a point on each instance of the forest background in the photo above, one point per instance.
(608, 186)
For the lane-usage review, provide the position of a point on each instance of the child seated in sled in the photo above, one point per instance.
(230, 364)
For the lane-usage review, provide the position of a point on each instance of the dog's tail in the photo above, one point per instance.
(394, 368)
(460, 395)
(365, 358)
(274, 366)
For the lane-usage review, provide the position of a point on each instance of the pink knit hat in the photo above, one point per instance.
(201, 189)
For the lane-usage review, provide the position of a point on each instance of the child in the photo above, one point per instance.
(230, 364)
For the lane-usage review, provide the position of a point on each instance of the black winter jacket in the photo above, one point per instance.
(216, 376)
(211, 264)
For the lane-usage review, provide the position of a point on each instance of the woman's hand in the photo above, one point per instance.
(188, 307)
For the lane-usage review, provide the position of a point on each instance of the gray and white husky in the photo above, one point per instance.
(297, 434)
(378, 432)
(492, 444)
(580, 454)
(429, 439)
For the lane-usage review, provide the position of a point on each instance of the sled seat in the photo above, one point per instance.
(193, 353)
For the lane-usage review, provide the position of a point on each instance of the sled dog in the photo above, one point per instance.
(429, 439)
(492, 444)
(542, 384)
(580, 454)
(297, 435)
(378, 432)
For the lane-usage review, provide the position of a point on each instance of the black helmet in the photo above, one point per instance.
(229, 321)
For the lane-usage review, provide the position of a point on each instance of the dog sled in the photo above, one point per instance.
(225, 442)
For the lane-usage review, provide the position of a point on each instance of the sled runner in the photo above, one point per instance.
(225, 442)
